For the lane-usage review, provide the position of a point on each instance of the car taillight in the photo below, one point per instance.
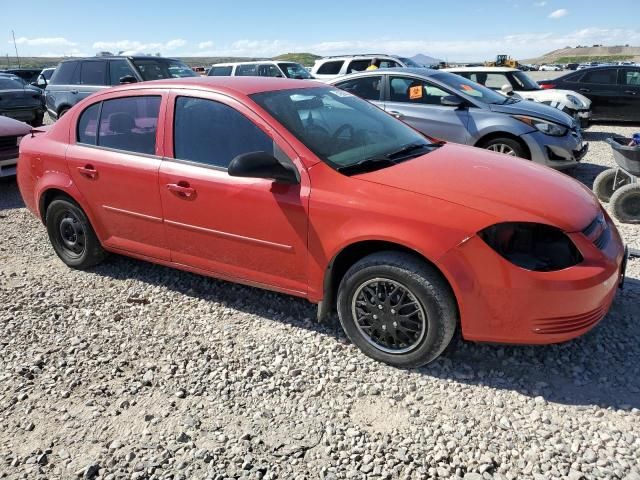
(546, 86)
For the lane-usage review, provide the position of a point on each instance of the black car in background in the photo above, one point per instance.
(613, 90)
(20, 100)
(29, 75)
(76, 79)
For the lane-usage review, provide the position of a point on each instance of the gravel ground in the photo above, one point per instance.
(137, 371)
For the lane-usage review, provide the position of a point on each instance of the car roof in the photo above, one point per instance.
(480, 69)
(423, 72)
(251, 62)
(232, 85)
(118, 57)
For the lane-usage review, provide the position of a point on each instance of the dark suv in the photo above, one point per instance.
(78, 78)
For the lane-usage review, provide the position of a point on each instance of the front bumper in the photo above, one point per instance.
(8, 164)
(556, 152)
(583, 117)
(502, 303)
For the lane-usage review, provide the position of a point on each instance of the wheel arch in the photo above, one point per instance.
(349, 255)
(502, 134)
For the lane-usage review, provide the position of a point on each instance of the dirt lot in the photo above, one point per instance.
(137, 371)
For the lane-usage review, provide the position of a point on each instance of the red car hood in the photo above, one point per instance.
(508, 188)
(13, 128)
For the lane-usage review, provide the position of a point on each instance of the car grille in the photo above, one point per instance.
(568, 324)
(598, 231)
(8, 142)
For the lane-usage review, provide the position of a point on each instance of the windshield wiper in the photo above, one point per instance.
(406, 149)
(366, 165)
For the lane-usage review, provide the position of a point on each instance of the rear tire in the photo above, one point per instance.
(605, 185)
(397, 309)
(625, 203)
(72, 236)
(62, 112)
(507, 146)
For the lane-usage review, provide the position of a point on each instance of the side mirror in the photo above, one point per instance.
(507, 89)
(127, 79)
(452, 101)
(41, 82)
(262, 165)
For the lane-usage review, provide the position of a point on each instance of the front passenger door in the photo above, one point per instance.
(417, 103)
(245, 229)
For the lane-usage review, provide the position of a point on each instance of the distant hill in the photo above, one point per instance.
(588, 54)
(422, 59)
(306, 59)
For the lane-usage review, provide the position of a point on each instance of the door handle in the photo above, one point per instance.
(630, 92)
(585, 90)
(396, 113)
(182, 189)
(73, 91)
(88, 171)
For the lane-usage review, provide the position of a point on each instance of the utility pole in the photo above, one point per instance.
(16, 47)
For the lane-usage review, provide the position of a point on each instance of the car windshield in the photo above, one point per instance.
(10, 83)
(159, 68)
(525, 82)
(294, 70)
(472, 89)
(409, 63)
(348, 133)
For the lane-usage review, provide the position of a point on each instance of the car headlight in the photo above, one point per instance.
(543, 126)
(532, 246)
(576, 101)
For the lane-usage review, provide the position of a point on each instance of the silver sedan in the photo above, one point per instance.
(452, 108)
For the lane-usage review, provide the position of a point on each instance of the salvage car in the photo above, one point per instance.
(11, 133)
(20, 100)
(450, 107)
(305, 189)
(265, 68)
(509, 80)
(614, 91)
(29, 75)
(78, 78)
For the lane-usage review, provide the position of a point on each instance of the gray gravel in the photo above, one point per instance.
(137, 371)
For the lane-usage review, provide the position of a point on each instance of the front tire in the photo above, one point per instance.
(72, 236)
(507, 146)
(397, 309)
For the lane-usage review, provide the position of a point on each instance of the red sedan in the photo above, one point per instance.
(308, 190)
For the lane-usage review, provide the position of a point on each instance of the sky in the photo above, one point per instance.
(459, 30)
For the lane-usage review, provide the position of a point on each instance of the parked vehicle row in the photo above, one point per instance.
(264, 68)
(306, 189)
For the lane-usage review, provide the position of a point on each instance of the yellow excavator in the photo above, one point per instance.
(503, 61)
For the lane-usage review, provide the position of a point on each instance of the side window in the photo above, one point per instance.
(367, 88)
(631, 77)
(246, 70)
(410, 90)
(119, 69)
(605, 76)
(490, 80)
(220, 71)
(389, 64)
(269, 70)
(358, 66)
(330, 68)
(93, 73)
(212, 133)
(63, 74)
(88, 125)
(130, 124)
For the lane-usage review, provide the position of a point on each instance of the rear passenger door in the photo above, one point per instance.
(417, 102)
(114, 162)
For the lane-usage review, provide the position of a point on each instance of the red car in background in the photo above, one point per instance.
(306, 189)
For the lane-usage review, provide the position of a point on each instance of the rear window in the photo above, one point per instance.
(159, 68)
(330, 68)
(220, 71)
(64, 73)
(606, 76)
